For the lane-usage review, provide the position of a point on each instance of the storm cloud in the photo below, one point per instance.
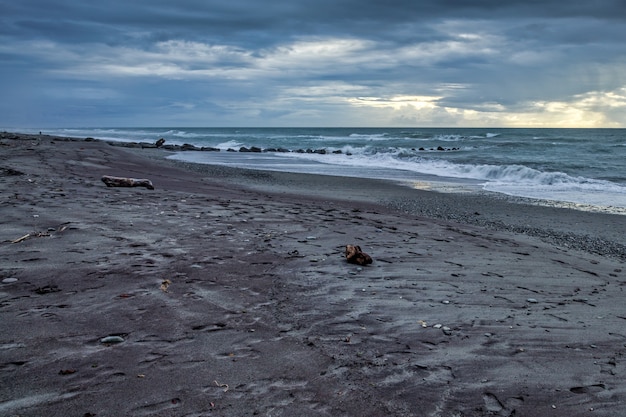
(313, 63)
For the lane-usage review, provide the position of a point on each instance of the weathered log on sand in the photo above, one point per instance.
(354, 255)
(126, 182)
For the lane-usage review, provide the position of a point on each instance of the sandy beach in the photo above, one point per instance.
(225, 292)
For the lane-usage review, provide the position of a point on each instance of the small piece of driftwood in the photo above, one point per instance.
(126, 182)
(355, 255)
(19, 239)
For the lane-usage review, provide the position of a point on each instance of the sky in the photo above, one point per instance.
(314, 63)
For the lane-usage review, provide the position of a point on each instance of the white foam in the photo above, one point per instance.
(515, 180)
(231, 144)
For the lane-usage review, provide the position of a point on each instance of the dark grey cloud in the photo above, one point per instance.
(304, 62)
(236, 20)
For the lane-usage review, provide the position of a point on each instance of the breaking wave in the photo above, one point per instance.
(508, 179)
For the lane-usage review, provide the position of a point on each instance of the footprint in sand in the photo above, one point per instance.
(588, 389)
(154, 409)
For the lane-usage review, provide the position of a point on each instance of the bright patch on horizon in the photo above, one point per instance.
(587, 110)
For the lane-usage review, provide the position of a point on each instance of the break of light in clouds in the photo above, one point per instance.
(324, 63)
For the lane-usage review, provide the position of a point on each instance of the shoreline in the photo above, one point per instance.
(226, 292)
(559, 223)
(410, 179)
(595, 190)
(593, 231)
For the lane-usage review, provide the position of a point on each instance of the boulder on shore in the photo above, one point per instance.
(355, 255)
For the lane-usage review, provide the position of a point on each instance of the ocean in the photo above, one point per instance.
(585, 168)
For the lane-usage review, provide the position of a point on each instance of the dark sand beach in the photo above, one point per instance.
(225, 292)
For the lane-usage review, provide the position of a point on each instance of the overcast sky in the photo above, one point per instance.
(508, 63)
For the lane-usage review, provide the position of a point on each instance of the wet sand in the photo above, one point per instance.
(224, 292)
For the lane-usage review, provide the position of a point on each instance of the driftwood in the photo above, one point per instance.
(354, 255)
(19, 239)
(126, 182)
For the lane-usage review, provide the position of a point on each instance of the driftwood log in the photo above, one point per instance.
(126, 182)
(355, 255)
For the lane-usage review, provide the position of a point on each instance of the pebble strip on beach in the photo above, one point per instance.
(576, 241)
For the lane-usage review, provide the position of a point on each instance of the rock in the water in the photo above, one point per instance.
(189, 147)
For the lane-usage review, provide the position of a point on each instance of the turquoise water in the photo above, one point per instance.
(582, 166)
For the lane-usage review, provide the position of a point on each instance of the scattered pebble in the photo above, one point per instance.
(458, 214)
(438, 326)
(532, 300)
(9, 280)
(112, 339)
(445, 302)
(67, 371)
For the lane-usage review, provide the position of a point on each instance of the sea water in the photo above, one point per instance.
(585, 167)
